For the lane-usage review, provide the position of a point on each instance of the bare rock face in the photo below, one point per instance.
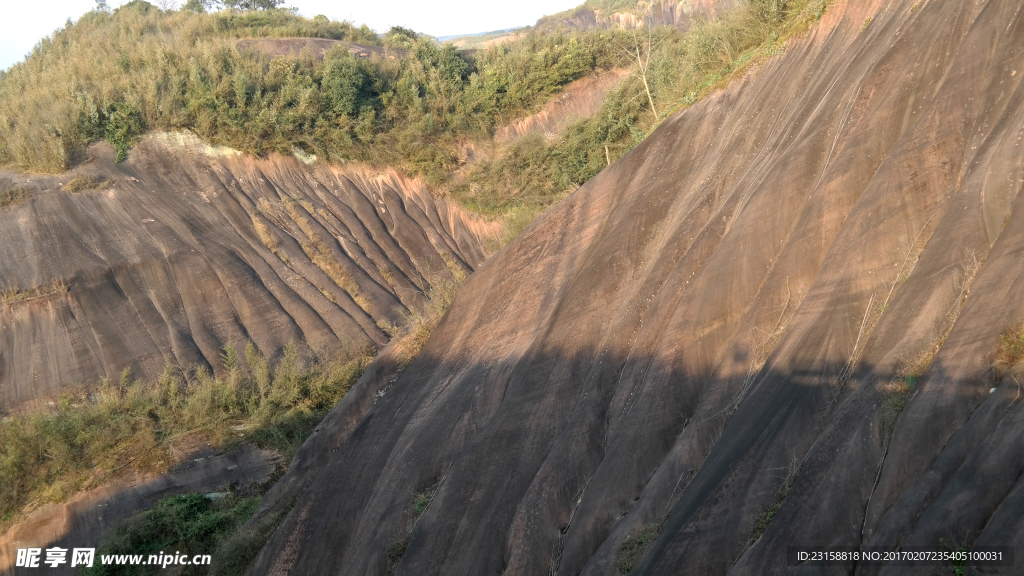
(772, 323)
(185, 248)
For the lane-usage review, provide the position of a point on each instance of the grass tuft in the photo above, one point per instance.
(394, 554)
(420, 502)
(1011, 347)
(12, 296)
(419, 325)
(82, 183)
(634, 547)
(766, 517)
(11, 194)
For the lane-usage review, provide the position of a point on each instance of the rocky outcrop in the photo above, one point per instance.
(185, 248)
(772, 323)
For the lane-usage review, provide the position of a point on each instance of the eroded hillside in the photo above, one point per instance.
(790, 316)
(186, 248)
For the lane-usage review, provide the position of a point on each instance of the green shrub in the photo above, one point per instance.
(958, 567)
(394, 554)
(111, 76)
(122, 129)
(188, 523)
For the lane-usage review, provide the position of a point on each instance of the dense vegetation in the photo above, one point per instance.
(114, 76)
(50, 452)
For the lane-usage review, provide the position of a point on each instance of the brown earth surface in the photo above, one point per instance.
(185, 248)
(711, 332)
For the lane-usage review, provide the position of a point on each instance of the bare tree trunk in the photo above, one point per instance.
(643, 77)
(643, 61)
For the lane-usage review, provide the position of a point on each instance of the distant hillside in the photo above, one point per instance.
(637, 13)
(609, 14)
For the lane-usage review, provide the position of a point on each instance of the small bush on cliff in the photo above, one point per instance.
(10, 194)
(419, 325)
(81, 184)
(634, 548)
(1011, 347)
(394, 554)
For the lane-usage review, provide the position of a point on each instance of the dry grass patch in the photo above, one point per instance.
(321, 255)
(12, 296)
(82, 183)
(11, 194)
(762, 522)
(1011, 347)
(267, 237)
(634, 547)
(414, 332)
(1009, 358)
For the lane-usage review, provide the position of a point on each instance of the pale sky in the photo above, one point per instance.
(25, 23)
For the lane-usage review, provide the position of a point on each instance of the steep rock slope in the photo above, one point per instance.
(709, 334)
(185, 248)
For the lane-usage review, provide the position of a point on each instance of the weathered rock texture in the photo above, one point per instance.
(713, 328)
(185, 248)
